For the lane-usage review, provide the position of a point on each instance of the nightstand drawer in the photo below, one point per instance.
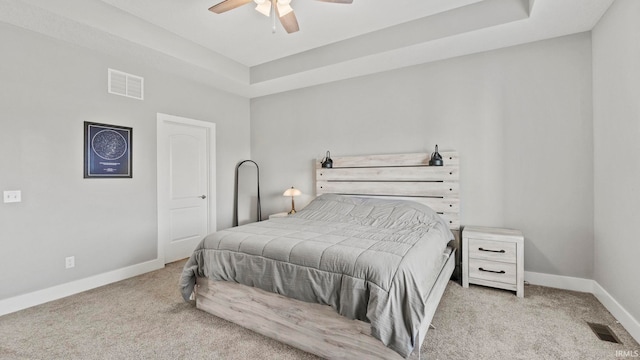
(492, 271)
(492, 250)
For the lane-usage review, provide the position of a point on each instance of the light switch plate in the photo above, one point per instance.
(12, 196)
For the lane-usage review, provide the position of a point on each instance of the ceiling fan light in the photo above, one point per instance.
(263, 7)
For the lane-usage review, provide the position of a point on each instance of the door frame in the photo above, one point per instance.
(163, 180)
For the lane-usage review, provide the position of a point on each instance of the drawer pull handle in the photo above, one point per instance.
(495, 251)
(493, 271)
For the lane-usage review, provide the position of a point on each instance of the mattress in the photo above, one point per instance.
(372, 260)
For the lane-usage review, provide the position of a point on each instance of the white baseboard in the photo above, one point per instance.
(21, 302)
(559, 282)
(627, 320)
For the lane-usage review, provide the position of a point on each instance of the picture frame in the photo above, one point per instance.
(108, 151)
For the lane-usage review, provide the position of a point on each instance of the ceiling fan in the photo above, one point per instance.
(282, 9)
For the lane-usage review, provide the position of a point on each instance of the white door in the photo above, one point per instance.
(186, 185)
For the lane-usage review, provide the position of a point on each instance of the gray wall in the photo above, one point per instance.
(616, 95)
(47, 89)
(521, 118)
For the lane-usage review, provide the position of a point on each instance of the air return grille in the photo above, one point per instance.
(604, 333)
(121, 83)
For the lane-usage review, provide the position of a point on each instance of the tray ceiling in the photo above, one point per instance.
(237, 51)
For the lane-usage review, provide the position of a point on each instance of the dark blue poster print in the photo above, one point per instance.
(107, 150)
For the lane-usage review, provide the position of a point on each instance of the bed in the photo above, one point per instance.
(380, 265)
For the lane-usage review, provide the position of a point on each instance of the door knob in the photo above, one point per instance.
(203, 196)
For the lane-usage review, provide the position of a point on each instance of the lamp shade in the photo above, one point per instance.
(292, 192)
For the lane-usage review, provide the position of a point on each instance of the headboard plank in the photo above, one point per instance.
(452, 220)
(390, 188)
(414, 159)
(412, 173)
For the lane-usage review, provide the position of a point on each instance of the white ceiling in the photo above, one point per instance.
(237, 52)
(246, 36)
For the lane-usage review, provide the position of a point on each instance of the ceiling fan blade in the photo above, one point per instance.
(227, 5)
(338, 1)
(289, 22)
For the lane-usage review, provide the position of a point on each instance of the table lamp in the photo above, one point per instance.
(292, 192)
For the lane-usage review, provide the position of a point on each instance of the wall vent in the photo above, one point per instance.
(121, 83)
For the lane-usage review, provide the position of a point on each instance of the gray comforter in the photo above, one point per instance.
(372, 260)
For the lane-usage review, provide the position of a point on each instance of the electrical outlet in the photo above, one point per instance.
(70, 262)
(12, 196)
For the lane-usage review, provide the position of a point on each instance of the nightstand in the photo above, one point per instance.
(493, 257)
(278, 215)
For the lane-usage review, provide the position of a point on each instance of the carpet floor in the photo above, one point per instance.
(145, 318)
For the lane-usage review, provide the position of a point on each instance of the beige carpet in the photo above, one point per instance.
(145, 318)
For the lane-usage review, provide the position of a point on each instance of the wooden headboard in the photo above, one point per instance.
(399, 176)
(402, 176)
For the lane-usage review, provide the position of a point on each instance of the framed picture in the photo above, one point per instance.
(107, 151)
